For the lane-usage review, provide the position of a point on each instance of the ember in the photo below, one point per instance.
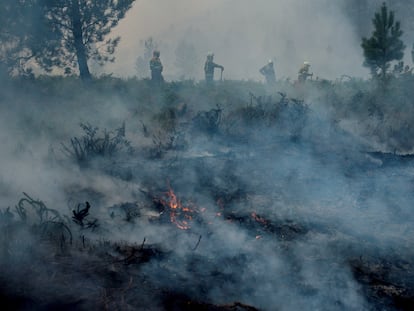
(259, 219)
(179, 215)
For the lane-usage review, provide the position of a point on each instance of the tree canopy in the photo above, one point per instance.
(384, 45)
(63, 33)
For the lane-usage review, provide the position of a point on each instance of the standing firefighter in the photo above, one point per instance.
(156, 68)
(209, 67)
(304, 72)
(269, 73)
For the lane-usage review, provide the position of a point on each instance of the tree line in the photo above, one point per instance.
(67, 34)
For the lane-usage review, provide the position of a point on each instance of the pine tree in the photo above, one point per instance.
(17, 26)
(81, 28)
(385, 45)
(65, 34)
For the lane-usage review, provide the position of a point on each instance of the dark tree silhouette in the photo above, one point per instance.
(16, 31)
(81, 28)
(384, 45)
(63, 33)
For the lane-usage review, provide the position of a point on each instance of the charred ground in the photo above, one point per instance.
(188, 197)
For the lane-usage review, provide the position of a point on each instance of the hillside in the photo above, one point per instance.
(120, 195)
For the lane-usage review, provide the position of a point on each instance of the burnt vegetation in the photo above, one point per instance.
(184, 195)
(219, 185)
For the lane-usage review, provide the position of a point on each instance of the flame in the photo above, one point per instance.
(182, 215)
(179, 215)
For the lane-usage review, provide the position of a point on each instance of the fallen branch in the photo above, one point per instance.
(198, 243)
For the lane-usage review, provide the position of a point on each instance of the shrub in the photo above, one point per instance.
(95, 144)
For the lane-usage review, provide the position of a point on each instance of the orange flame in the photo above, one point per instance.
(179, 215)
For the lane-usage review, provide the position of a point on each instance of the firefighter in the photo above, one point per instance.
(303, 73)
(156, 68)
(209, 67)
(269, 73)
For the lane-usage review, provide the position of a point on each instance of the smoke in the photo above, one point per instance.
(319, 199)
(244, 36)
(281, 206)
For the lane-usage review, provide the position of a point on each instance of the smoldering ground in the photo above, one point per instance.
(284, 206)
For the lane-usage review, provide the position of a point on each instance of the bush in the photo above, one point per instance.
(95, 144)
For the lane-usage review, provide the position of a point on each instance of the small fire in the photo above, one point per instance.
(179, 215)
(259, 219)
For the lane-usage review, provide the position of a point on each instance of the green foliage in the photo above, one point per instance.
(384, 45)
(63, 34)
(23, 32)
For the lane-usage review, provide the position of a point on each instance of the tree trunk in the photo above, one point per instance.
(79, 45)
(383, 67)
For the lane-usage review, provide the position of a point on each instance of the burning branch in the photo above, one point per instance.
(180, 215)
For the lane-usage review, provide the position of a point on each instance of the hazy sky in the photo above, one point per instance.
(244, 34)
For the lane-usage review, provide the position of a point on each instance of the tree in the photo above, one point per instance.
(81, 28)
(384, 45)
(16, 29)
(66, 33)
